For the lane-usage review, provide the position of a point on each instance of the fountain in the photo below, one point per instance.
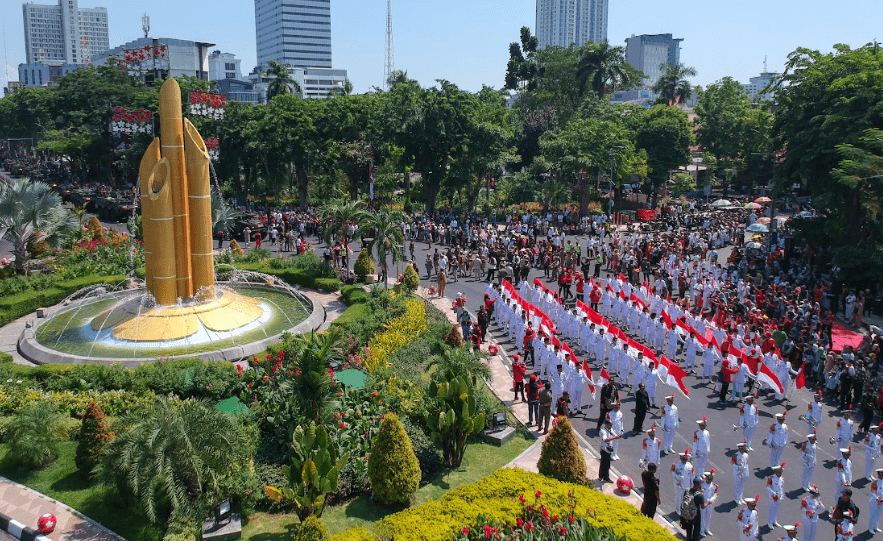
(180, 311)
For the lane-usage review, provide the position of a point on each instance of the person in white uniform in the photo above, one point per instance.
(811, 506)
(872, 450)
(777, 439)
(740, 471)
(775, 486)
(844, 472)
(709, 490)
(875, 503)
(701, 445)
(670, 424)
(808, 452)
(748, 526)
(682, 472)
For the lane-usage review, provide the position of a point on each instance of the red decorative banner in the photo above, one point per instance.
(131, 122)
(207, 105)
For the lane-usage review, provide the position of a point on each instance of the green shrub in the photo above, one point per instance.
(364, 264)
(28, 301)
(69, 287)
(32, 436)
(496, 497)
(454, 338)
(312, 529)
(256, 255)
(410, 278)
(561, 457)
(356, 534)
(328, 285)
(95, 433)
(353, 294)
(392, 467)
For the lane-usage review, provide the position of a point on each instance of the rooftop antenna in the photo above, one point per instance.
(764, 64)
(145, 24)
(390, 50)
(5, 55)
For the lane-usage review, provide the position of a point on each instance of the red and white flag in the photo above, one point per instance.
(800, 382)
(672, 374)
(588, 372)
(763, 373)
(603, 377)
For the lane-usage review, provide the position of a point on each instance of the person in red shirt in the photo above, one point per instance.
(595, 297)
(527, 342)
(580, 288)
(518, 371)
(728, 370)
(489, 306)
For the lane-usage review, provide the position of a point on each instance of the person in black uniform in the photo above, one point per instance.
(642, 404)
(651, 491)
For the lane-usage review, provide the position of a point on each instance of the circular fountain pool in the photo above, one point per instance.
(98, 325)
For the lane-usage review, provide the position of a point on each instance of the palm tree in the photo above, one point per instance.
(673, 86)
(601, 65)
(171, 454)
(312, 390)
(282, 82)
(337, 218)
(31, 212)
(388, 236)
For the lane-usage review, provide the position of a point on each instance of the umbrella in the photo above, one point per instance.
(764, 221)
(804, 214)
(753, 206)
(754, 246)
(763, 200)
(758, 228)
(720, 203)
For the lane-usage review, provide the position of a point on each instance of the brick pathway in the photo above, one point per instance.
(500, 384)
(26, 506)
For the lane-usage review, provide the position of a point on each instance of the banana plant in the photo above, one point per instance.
(452, 417)
(312, 473)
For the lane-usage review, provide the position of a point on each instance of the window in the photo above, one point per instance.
(229, 66)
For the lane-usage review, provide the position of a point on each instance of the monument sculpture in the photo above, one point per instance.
(176, 216)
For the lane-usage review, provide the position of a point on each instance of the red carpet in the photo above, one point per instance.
(844, 336)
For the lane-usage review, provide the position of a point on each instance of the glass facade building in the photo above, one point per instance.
(294, 32)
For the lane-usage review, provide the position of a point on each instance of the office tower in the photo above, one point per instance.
(61, 34)
(295, 32)
(648, 52)
(564, 22)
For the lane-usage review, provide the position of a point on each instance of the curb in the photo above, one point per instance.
(20, 531)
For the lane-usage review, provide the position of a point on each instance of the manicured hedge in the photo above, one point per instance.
(353, 294)
(70, 287)
(215, 380)
(294, 276)
(21, 304)
(352, 315)
(496, 498)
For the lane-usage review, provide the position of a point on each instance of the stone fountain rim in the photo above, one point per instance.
(37, 353)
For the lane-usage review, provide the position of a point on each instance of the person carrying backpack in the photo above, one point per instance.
(690, 505)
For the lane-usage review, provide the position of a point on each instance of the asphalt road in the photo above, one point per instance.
(703, 401)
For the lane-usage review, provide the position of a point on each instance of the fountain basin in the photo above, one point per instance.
(121, 327)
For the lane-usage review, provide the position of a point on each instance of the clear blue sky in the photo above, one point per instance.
(466, 41)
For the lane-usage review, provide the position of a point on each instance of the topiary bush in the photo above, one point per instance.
(32, 436)
(95, 433)
(312, 529)
(364, 264)
(393, 467)
(410, 278)
(561, 457)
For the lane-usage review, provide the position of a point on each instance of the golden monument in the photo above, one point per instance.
(176, 213)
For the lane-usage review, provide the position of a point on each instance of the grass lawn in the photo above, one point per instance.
(481, 459)
(62, 481)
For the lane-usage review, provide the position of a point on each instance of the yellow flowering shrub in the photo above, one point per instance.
(396, 335)
(14, 397)
(497, 498)
(356, 534)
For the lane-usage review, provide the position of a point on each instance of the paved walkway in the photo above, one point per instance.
(26, 506)
(501, 385)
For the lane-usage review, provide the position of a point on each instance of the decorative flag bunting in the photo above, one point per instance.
(131, 122)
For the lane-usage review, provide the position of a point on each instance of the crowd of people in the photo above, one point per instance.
(759, 320)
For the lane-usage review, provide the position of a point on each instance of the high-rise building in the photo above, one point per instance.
(561, 23)
(758, 84)
(649, 52)
(61, 34)
(294, 32)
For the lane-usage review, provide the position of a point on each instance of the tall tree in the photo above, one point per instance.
(522, 69)
(826, 100)
(604, 69)
(672, 86)
(666, 135)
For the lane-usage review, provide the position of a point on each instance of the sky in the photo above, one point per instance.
(466, 41)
